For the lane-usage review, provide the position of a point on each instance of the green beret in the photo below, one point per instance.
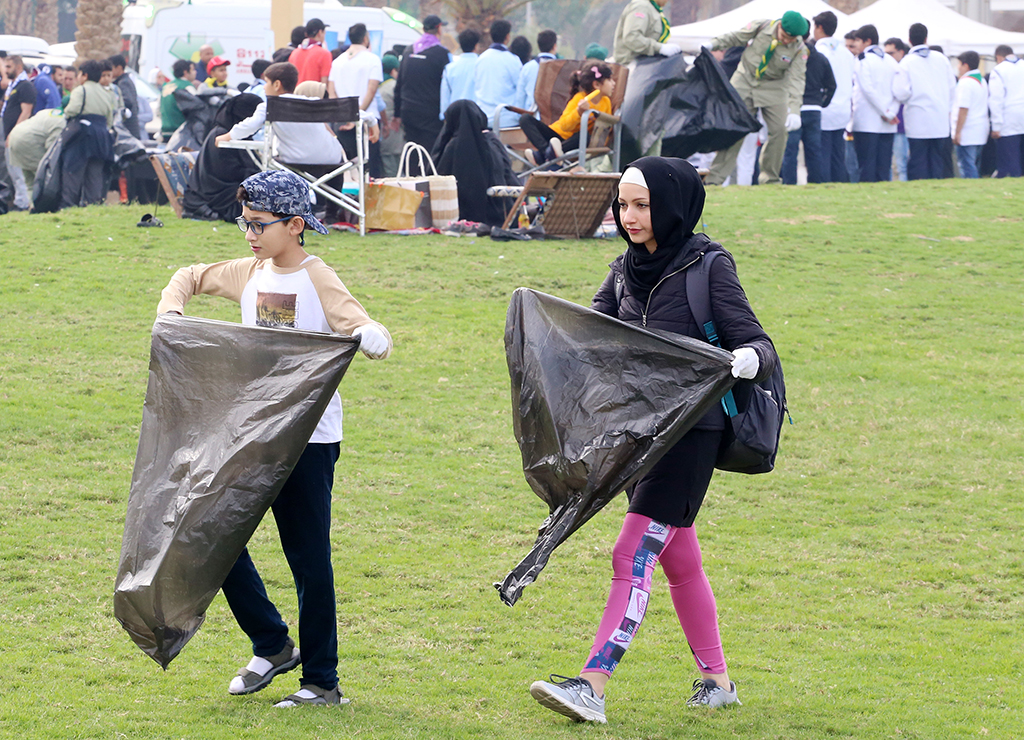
(389, 62)
(795, 24)
(595, 51)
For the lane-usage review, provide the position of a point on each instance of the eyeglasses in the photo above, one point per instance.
(257, 226)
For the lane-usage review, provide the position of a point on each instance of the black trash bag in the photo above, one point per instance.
(46, 190)
(692, 110)
(229, 410)
(596, 402)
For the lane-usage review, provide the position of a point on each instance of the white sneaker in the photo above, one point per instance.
(707, 693)
(572, 697)
(556, 146)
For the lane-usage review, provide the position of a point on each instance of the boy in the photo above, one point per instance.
(305, 142)
(281, 285)
(218, 71)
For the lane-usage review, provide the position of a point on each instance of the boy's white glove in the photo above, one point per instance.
(793, 122)
(670, 50)
(373, 342)
(745, 363)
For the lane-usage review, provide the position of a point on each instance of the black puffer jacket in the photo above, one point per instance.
(668, 309)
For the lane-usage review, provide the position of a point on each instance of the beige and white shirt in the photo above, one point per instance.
(310, 297)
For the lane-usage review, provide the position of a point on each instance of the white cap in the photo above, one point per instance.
(633, 176)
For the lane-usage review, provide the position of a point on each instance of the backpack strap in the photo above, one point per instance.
(698, 295)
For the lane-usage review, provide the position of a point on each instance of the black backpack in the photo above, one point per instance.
(752, 440)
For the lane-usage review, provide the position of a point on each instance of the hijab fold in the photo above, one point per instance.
(677, 201)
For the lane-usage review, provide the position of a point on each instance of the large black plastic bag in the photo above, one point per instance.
(596, 402)
(229, 410)
(692, 110)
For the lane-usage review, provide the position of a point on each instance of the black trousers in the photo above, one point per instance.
(375, 165)
(1008, 155)
(833, 156)
(930, 159)
(84, 186)
(874, 155)
(303, 514)
(423, 133)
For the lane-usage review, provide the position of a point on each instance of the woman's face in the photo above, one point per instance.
(635, 214)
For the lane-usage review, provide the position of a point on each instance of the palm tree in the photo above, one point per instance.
(99, 29)
(480, 14)
(28, 18)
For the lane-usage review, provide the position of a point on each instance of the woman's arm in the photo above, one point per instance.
(605, 301)
(735, 320)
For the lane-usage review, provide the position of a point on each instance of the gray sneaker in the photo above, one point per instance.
(707, 693)
(572, 697)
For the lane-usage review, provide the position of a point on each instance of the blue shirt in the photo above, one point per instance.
(47, 95)
(528, 81)
(495, 80)
(258, 88)
(458, 81)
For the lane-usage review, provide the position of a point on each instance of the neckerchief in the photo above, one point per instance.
(10, 89)
(666, 29)
(766, 57)
(974, 75)
(874, 49)
(424, 42)
(499, 47)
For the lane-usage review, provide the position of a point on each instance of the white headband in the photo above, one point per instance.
(633, 176)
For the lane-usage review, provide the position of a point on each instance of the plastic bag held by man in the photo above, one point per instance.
(228, 411)
(693, 109)
(595, 404)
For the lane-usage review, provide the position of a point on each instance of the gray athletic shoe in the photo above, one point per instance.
(572, 697)
(707, 693)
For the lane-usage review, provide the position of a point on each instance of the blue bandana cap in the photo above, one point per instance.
(277, 191)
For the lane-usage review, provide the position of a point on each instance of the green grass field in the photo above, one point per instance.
(871, 587)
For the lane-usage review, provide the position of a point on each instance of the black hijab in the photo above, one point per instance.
(677, 201)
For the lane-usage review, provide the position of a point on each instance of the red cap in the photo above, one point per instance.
(217, 61)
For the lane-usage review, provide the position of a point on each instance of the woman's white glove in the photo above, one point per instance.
(670, 50)
(373, 342)
(745, 363)
(793, 122)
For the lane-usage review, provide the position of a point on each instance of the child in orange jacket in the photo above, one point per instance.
(592, 88)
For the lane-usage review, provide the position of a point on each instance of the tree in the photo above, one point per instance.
(99, 29)
(31, 18)
(480, 14)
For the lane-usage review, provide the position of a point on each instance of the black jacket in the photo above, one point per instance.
(418, 89)
(667, 309)
(820, 83)
(131, 102)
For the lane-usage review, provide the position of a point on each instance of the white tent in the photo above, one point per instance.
(694, 35)
(955, 33)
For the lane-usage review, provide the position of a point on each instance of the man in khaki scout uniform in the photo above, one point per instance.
(642, 31)
(770, 78)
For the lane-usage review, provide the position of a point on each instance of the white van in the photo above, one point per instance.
(155, 35)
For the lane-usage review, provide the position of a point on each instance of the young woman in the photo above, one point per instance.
(591, 88)
(658, 206)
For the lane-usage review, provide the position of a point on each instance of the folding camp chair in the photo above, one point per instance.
(173, 170)
(554, 81)
(327, 180)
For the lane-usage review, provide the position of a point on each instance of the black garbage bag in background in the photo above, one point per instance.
(692, 110)
(229, 409)
(596, 402)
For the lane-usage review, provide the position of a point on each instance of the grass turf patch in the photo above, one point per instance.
(869, 588)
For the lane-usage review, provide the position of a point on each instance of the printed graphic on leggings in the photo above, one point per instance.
(644, 560)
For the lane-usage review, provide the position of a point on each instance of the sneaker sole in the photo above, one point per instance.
(556, 704)
(265, 681)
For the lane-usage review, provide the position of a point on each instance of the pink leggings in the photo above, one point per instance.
(642, 543)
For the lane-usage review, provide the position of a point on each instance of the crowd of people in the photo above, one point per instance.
(864, 109)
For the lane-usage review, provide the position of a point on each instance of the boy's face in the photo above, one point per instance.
(106, 78)
(220, 73)
(279, 242)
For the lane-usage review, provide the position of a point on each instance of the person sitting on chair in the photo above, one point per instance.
(298, 143)
(592, 88)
